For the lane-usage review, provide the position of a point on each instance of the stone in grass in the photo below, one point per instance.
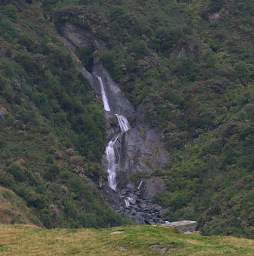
(118, 232)
(123, 249)
(183, 226)
(164, 248)
(159, 248)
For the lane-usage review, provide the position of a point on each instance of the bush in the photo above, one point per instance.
(86, 56)
(10, 11)
(17, 171)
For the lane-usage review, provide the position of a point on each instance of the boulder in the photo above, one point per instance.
(183, 226)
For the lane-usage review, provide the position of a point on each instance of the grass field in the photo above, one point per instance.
(27, 240)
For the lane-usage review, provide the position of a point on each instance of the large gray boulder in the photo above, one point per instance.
(183, 226)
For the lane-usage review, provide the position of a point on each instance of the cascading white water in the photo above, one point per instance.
(110, 149)
(140, 184)
(123, 123)
(111, 158)
(104, 96)
(129, 200)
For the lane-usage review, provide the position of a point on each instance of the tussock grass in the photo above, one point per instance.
(25, 240)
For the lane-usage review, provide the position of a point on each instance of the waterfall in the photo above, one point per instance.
(127, 203)
(110, 149)
(141, 142)
(111, 158)
(140, 184)
(103, 94)
(123, 123)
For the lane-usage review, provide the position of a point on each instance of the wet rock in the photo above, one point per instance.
(80, 38)
(153, 186)
(142, 151)
(140, 210)
(130, 186)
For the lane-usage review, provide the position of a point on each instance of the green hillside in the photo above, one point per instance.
(14, 210)
(51, 126)
(189, 64)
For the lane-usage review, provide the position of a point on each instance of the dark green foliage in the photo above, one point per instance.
(52, 124)
(86, 56)
(190, 64)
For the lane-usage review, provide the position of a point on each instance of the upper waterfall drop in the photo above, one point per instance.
(104, 96)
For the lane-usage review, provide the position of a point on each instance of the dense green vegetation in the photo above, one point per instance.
(14, 210)
(51, 127)
(190, 63)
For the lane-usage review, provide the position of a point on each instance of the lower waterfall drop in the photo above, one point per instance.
(111, 158)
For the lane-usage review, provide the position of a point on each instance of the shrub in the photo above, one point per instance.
(86, 56)
(10, 11)
(17, 171)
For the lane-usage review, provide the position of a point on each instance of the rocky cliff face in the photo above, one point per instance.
(140, 149)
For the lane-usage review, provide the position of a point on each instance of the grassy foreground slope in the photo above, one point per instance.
(126, 241)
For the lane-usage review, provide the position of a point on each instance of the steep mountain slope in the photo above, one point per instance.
(14, 210)
(52, 127)
(188, 67)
